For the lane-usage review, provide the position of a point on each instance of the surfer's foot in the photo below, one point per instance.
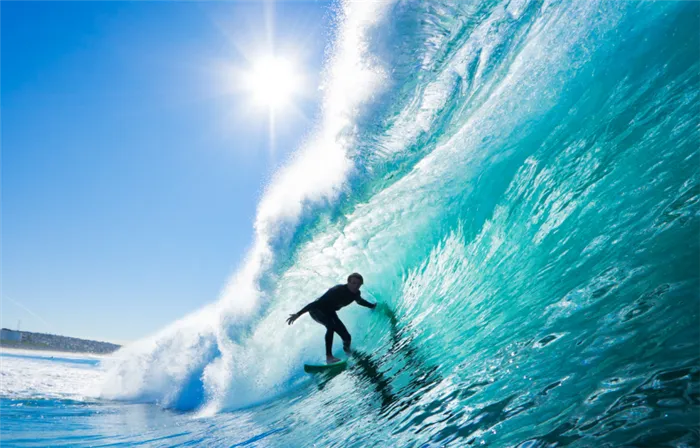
(332, 359)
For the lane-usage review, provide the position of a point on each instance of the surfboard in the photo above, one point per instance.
(318, 368)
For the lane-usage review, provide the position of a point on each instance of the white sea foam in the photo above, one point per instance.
(196, 358)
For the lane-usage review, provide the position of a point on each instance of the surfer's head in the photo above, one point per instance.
(355, 280)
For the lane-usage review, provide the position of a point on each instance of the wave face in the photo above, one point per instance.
(518, 182)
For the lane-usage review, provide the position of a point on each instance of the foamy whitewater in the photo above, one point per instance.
(518, 183)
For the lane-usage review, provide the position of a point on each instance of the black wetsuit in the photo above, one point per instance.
(323, 310)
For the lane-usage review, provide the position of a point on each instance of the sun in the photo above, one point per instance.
(273, 82)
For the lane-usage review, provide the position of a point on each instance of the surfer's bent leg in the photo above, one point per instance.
(321, 317)
(329, 343)
(339, 328)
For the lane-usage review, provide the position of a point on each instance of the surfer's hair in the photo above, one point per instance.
(357, 276)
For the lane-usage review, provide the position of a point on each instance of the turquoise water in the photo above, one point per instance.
(518, 182)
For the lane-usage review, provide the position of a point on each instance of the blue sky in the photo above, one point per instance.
(132, 163)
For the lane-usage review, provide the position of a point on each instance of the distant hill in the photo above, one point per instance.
(43, 341)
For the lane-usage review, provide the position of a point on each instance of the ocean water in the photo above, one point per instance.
(518, 182)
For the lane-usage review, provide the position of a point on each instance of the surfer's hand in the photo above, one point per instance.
(292, 318)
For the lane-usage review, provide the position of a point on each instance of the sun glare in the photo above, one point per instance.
(273, 82)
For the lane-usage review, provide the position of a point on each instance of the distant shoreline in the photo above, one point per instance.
(44, 348)
(56, 343)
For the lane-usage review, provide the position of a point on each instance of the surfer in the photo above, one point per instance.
(323, 310)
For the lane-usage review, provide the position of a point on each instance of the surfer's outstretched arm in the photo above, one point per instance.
(295, 316)
(363, 302)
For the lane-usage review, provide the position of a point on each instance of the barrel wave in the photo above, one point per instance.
(518, 183)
